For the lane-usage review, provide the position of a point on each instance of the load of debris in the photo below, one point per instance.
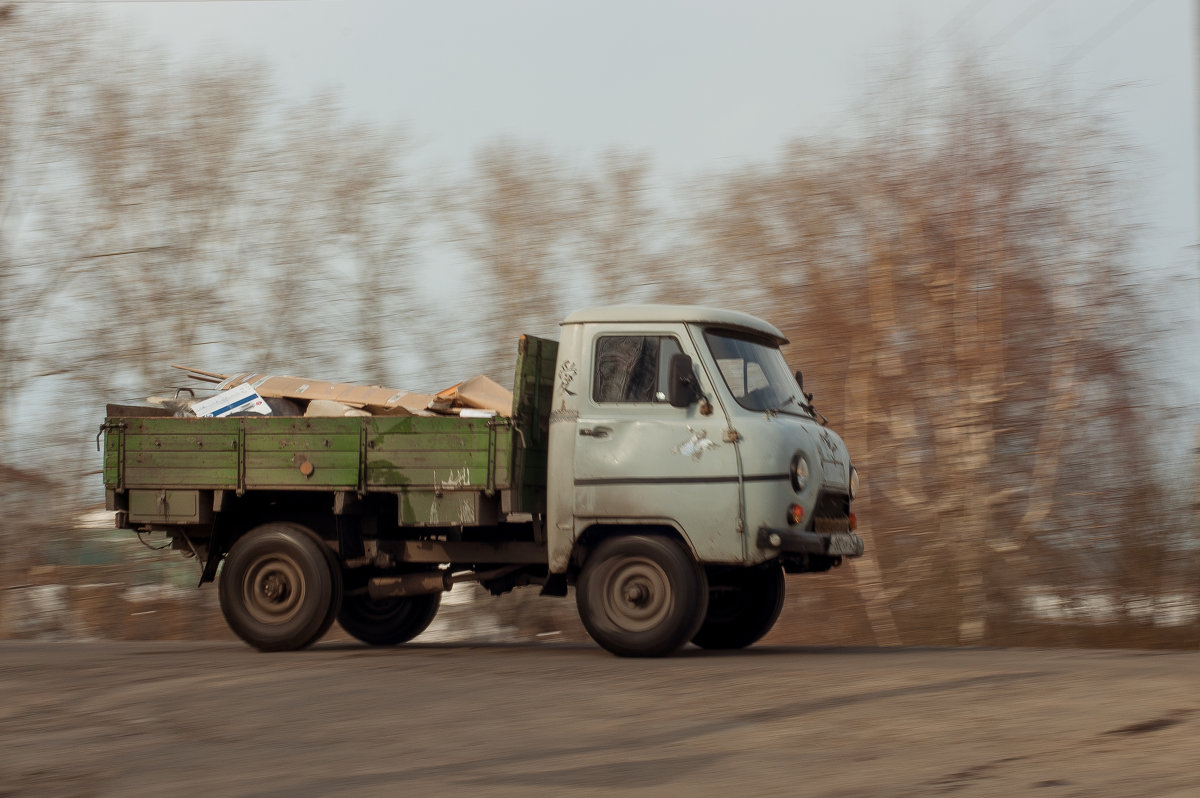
(265, 394)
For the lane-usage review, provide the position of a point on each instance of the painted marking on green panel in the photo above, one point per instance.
(476, 459)
(450, 509)
(383, 475)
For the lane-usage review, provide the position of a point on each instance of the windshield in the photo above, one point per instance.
(754, 371)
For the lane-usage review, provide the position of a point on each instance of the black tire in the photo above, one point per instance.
(743, 605)
(387, 621)
(280, 587)
(641, 596)
(339, 586)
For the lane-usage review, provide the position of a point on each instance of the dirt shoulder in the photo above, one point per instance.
(145, 719)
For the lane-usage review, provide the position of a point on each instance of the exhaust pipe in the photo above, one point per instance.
(426, 582)
(421, 584)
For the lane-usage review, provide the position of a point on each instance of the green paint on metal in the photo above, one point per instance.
(290, 442)
(451, 462)
(170, 506)
(179, 478)
(532, 392)
(202, 461)
(427, 508)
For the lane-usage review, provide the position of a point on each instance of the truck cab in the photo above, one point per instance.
(684, 424)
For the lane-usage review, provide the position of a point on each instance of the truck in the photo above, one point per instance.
(661, 460)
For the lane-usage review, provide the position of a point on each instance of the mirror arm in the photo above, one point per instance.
(706, 406)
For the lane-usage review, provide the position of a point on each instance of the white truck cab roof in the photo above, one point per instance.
(692, 314)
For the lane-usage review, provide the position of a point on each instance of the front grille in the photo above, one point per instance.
(831, 513)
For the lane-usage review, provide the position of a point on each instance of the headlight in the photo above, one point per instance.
(799, 472)
(853, 482)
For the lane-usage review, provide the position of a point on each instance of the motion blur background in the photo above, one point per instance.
(975, 220)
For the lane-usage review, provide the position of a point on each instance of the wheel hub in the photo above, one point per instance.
(273, 589)
(637, 594)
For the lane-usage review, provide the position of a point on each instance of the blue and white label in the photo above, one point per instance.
(239, 399)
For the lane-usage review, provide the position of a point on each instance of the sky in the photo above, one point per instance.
(702, 85)
(699, 85)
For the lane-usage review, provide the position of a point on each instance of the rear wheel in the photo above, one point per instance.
(387, 621)
(743, 605)
(280, 587)
(641, 596)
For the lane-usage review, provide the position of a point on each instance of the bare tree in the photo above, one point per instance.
(515, 217)
(625, 246)
(39, 66)
(958, 271)
(155, 213)
(951, 272)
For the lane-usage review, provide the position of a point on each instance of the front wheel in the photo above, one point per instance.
(641, 596)
(743, 605)
(387, 621)
(280, 587)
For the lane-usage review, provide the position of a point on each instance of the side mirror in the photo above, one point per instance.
(681, 388)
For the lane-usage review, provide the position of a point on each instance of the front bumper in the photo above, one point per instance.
(829, 544)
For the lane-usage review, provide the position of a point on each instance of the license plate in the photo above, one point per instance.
(845, 545)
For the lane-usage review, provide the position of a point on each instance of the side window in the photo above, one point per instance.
(632, 368)
(742, 376)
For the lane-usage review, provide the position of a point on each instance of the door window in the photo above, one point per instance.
(632, 368)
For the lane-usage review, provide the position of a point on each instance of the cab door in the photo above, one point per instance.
(638, 459)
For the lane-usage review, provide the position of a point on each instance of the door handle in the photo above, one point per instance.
(594, 432)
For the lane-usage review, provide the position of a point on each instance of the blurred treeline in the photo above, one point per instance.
(953, 268)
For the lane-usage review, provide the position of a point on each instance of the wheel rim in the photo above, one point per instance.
(637, 594)
(273, 589)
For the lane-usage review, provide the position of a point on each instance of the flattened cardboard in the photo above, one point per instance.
(374, 399)
(484, 394)
(327, 408)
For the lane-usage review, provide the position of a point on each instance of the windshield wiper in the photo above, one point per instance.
(788, 401)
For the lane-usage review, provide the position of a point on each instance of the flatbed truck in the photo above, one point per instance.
(661, 460)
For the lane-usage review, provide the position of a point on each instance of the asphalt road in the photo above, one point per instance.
(218, 719)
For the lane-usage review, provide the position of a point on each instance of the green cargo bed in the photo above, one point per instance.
(441, 467)
(357, 454)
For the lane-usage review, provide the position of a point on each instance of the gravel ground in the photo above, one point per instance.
(215, 718)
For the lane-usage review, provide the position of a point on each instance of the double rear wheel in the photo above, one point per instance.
(387, 621)
(281, 589)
